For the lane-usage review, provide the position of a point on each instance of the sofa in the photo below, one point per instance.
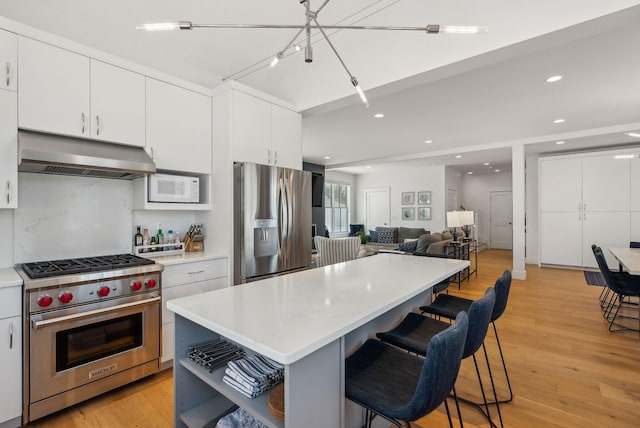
(407, 239)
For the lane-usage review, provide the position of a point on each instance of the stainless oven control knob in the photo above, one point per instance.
(103, 291)
(136, 285)
(150, 283)
(65, 297)
(45, 301)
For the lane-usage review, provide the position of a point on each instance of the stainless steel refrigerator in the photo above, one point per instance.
(272, 221)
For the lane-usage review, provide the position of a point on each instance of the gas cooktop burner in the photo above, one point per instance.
(87, 264)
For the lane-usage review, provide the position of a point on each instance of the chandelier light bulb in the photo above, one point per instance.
(463, 29)
(159, 26)
(276, 59)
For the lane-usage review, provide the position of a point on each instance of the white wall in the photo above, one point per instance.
(6, 231)
(453, 181)
(406, 179)
(475, 197)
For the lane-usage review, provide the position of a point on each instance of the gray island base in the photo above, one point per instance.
(309, 322)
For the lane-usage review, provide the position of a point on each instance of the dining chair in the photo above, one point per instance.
(447, 306)
(416, 330)
(623, 285)
(402, 387)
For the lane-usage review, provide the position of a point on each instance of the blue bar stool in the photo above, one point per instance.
(402, 387)
(417, 330)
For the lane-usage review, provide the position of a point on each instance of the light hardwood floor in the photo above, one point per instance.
(566, 369)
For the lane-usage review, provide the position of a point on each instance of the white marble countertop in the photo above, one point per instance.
(186, 257)
(288, 317)
(9, 278)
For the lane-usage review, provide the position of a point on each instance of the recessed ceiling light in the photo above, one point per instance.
(554, 78)
(458, 156)
(327, 157)
(378, 115)
(428, 141)
(369, 166)
(496, 170)
(633, 134)
(558, 121)
(297, 47)
(486, 164)
(470, 173)
(559, 142)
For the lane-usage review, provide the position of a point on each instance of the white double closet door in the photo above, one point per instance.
(584, 200)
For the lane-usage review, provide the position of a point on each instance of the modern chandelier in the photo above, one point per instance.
(311, 23)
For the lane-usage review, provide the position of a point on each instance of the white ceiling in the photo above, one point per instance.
(470, 94)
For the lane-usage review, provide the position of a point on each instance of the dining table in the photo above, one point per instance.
(629, 258)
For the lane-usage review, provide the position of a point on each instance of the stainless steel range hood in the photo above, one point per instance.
(61, 155)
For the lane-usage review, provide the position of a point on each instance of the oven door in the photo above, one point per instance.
(68, 350)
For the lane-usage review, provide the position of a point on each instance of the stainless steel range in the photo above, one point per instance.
(91, 325)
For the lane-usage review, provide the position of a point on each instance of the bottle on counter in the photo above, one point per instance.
(160, 238)
(177, 241)
(137, 238)
(169, 239)
(146, 240)
(153, 241)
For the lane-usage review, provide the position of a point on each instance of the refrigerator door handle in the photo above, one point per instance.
(280, 213)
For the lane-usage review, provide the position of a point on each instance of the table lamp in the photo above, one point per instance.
(454, 220)
(467, 222)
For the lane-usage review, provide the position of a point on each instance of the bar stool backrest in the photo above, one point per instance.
(479, 318)
(502, 287)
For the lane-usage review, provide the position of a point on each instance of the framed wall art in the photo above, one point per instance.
(408, 198)
(407, 213)
(424, 198)
(424, 213)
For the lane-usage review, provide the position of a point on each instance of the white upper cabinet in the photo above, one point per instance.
(178, 128)
(117, 104)
(8, 61)
(8, 150)
(286, 137)
(54, 89)
(563, 176)
(265, 133)
(634, 172)
(251, 129)
(605, 183)
(66, 93)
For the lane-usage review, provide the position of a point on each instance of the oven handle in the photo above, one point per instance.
(45, 323)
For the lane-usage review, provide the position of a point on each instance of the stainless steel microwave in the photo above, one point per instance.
(174, 188)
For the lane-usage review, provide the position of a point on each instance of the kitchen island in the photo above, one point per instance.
(308, 321)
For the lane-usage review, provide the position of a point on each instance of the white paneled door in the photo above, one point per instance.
(501, 220)
(378, 210)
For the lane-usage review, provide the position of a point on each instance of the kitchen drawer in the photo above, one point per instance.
(193, 272)
(10, 302)
(188, 290)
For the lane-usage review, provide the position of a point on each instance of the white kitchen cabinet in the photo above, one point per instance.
(265, 133)
(11, 356)
(187, 279)
(54, 89)
(286, 137)
(634, 166)
(8, 149)
(585, 199)
(178, 128)
(117, 104)
(66, 93)
(8, 61)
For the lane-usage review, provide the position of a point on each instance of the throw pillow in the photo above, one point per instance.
(373, 236)
(409, 247)
(409, 233)
(446, 235)
(394, 230)
(386, 237)
(424, 241)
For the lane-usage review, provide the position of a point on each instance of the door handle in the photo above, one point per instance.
(97, 125)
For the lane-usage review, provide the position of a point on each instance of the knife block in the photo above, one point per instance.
(193, 246)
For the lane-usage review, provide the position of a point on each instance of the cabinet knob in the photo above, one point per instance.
(268, 156)
(8, 192)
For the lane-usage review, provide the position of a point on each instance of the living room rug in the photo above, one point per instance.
(594, 278)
